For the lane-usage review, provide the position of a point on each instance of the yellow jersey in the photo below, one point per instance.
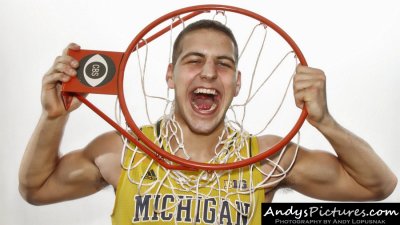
(147, 193)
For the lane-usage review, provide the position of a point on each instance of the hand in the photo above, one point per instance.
(309, 87)
(62, 70)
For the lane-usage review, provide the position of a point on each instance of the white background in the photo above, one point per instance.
(356, 43)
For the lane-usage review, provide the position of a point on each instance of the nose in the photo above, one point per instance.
(209, 70)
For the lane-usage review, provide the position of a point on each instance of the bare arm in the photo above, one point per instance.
(45, 176)
(355, 173)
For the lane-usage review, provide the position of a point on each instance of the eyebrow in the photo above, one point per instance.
(203, 56)
(192, 54)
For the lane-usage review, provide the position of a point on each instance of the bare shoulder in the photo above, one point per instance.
(81, 172)
(109, 142)
(267, 141)
(278, 164)
(304, 166)
(297, 161)
(285, 155)
(105, 153)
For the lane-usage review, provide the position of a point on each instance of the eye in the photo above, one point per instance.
(226, 64)
(193, 60)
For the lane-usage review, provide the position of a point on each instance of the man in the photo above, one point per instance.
(205, 77)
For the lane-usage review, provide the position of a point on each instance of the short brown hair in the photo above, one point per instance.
(203, 24)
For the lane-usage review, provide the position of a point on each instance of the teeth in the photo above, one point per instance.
(205, 91)
(212, 107)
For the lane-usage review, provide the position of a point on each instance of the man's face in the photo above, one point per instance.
(205, 80)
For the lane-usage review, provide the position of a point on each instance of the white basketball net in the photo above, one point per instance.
(201, 185)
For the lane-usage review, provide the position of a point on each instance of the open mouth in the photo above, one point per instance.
(205, 100)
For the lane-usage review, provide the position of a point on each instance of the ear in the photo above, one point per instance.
(169, 77)
(238, 83)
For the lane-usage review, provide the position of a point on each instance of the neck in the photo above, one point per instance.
(199, 147)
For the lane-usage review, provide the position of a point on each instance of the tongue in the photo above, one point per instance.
(203, 101)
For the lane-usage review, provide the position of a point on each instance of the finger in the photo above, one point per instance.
(71, 46)
(61, 63)
(299, 99)
(307, 70)
(66, 59)
(76, 102)
(64, 68)
(298, 77)
(305, 97)
(304, 81)
(55, 78)
(301, 85)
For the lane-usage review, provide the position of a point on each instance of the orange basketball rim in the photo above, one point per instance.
(113, 65)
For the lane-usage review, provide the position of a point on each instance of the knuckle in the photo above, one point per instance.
(58, 58)
(299, 68)
(61, 67)
(296, 87)
(298, 95)
(322, 76)
(46, 76)
(320, 83)
(296, 78)
(319, 71)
